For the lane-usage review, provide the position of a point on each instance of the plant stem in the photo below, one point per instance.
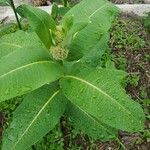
(13, 7)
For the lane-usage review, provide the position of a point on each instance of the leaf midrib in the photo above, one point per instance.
(97, 10)
(35, 118)
(25, 66)
(101, 91)
(90, 15)
(10, 44)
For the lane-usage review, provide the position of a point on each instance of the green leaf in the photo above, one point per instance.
(92, 59)
(58, 11)
(98, 15)
(25, 70)
(88, 124)
(75, 67)
(100, 94)
(39, 112)
(54, 10)
(18, 40)
(63, 10)
(68, 24)
(40, 21)
(4, 2)
(68, 39)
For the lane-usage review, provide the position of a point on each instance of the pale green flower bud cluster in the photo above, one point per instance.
(58, 51)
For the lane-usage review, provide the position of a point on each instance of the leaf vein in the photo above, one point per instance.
(25, 66)
(10, 44)
(98, 89)
(35, 118)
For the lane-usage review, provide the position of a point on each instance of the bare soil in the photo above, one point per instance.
(127, 1)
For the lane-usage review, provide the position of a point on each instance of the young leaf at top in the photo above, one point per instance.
(29, 69)
(68, 24)
(18, 40)
(54, 11)
(98, 15)
(99, 93)
(68, 39)
(88, 124)
(62, 11)
(92, 59)
(39, 112)
(40, 21)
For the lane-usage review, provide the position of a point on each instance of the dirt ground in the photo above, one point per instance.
(127, 1)
(137, 65)
(47, 2)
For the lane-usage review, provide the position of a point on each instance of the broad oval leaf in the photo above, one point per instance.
(88, 124)
(40, 21)
(99, 93)
(39, 112)
(18, 40)
(98, 15)
(28, 70)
